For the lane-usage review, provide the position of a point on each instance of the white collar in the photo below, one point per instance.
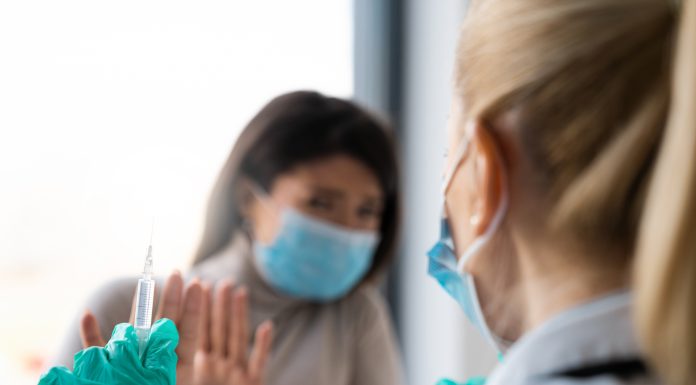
(595, 332)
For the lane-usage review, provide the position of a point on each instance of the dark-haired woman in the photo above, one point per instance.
(304, 217)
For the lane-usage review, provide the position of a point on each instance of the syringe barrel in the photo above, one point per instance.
(145, 295)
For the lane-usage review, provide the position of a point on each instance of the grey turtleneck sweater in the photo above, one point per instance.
(346, 342)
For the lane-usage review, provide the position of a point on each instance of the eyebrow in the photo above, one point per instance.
(328, 191)
(340, 194)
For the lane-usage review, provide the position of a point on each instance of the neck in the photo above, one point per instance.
(553, 284)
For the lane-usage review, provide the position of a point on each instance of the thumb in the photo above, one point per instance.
(89, 331)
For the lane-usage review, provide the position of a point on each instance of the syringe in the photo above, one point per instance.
(144, 299)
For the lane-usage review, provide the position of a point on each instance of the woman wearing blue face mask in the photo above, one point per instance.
(304, 217)
(568, 226)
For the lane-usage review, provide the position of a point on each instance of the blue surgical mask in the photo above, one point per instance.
(449, 271)
(313, 259)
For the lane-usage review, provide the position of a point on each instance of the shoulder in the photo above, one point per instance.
(373, 339)
(113, 291)
(600, 380)
(593, 375)
(231, 263)
(366, 306)
(366, 296)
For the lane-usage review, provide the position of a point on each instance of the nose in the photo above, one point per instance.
(344, 217)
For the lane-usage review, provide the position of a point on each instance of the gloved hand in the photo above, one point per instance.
(470, 381)
(214, 331)
(118, 362)
(179, 304)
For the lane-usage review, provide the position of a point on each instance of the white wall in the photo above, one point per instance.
(438, 341)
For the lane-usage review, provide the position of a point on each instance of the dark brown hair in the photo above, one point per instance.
(292, 129)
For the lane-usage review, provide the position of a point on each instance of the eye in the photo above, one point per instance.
(320, 203)
(369, 212)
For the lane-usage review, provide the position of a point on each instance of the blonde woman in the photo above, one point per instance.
(569, 234)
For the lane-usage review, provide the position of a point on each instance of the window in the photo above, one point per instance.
(114, 112)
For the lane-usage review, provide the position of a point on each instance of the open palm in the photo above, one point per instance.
(222, 358)
(213, 334)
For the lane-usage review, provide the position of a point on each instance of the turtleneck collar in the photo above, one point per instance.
(236, 263)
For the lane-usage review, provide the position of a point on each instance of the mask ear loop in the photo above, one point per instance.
(500, 344)
(490, 230)
(460, 154)
(462, 150)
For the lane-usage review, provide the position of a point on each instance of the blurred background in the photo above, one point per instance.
(112, 113)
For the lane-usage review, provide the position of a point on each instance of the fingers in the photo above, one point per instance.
(89, 331)
(170, 305)
(204, 323)
(260, 353)
(220, 316)
(189, 322)
(238, 328)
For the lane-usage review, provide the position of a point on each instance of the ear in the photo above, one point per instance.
(488, 176)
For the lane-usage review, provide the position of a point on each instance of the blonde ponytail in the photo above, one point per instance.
(665, 275)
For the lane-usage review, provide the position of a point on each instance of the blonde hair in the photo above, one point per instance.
(605, 107)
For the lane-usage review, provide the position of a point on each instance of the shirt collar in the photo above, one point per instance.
(594, 332)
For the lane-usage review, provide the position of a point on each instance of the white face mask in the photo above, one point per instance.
(450, 273)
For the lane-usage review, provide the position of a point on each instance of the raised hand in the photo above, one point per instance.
(184, 307)
(223, 357)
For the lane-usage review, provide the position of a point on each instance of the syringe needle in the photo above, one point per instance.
(152, 230)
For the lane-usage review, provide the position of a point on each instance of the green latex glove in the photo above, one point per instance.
(471, 381)
(118, 362)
